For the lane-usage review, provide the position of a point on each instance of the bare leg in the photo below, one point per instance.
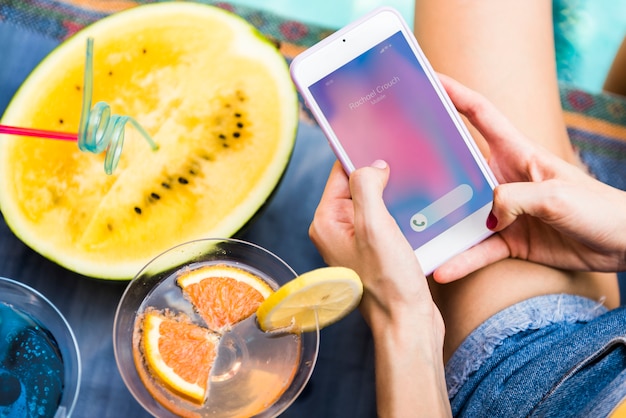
(616, 79)
(504, 50)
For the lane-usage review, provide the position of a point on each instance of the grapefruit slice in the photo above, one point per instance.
(223, 295)
(179, 353)
(213, 93)
(314, 299)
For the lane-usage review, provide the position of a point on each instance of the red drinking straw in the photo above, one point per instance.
(39, 133)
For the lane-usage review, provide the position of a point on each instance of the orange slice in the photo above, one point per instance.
(314, 299)
(222, 294)
(179, 353)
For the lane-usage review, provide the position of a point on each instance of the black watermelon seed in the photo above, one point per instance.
(237, 115)
(236, 135)
(155, 196)
(137, 210)
(239, 125)
(166, 185)
(183, 180)
(222, 136)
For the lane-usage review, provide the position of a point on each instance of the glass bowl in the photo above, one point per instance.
(39, 356)
(255, 373)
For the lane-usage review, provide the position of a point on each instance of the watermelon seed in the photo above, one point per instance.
(236, 135)
(239, 125)
(137, 210)
(155, 196)
(144, 50)
(166, 185)
(61, 121)
(222, 136)
(183, 180)
(110, 72)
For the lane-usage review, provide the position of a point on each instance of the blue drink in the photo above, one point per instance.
(31, 367)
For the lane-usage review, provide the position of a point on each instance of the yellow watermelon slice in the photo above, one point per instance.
(213, 93)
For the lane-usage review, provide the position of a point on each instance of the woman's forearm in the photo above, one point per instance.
(410, 380)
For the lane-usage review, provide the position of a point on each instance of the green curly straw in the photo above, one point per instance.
(100, 130)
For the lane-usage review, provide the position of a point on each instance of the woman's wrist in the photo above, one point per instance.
(411, 328)
(409, 367)
(395, 319)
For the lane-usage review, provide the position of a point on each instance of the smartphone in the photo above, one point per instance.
(375, 96)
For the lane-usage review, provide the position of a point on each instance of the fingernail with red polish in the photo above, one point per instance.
(492, 221)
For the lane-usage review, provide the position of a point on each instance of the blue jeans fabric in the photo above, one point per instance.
(549, 356)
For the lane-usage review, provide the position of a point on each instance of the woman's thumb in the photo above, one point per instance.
(367, 185)
(511, 200)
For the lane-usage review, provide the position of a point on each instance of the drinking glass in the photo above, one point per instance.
(33, 331)
(255, 373)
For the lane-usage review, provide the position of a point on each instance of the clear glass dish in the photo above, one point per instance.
(251, 365)
(30, 356)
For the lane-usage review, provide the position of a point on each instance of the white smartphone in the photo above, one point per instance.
(375, 96)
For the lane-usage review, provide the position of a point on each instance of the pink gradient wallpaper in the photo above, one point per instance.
(381, 105)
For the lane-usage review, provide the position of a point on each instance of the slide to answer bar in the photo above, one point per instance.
(441, 207)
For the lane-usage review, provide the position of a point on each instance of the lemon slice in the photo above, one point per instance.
(319, 297)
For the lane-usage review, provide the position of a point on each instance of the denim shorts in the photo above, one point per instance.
(549, 356)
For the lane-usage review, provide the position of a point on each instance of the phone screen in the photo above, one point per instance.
(381, 105)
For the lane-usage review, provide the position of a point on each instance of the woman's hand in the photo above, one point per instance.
(353, 228)
(545, 209)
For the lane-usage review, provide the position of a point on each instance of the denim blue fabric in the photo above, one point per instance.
(549, 356)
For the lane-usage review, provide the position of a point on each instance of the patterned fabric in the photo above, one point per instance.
(59, 19)
(610, 108)
(597, 127)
